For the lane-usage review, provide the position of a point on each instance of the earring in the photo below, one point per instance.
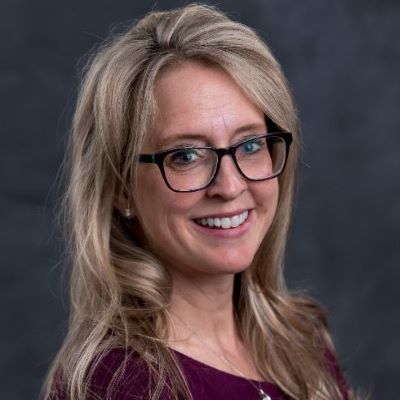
(127, 211)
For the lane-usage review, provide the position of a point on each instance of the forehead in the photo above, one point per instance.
(200, 99)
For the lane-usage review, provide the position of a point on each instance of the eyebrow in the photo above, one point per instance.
(190, 136)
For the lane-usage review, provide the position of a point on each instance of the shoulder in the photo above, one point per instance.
(336, 371)
(314, 323)
(119, 374)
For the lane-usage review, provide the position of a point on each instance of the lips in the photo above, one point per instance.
(223, 222)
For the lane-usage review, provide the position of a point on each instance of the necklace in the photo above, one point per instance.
(261, 393)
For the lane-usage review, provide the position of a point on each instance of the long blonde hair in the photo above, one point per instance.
(120, 292)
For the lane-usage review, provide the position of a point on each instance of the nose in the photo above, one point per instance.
(228, 183)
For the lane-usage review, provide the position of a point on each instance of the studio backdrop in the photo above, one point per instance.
(342, 59)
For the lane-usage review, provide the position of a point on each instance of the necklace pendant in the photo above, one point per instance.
(263, 395)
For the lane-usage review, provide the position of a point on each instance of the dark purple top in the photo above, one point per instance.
(209, 383)
(205, 382)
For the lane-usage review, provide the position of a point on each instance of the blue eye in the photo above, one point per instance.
(183, 156)
(252, 146)
(184, 159)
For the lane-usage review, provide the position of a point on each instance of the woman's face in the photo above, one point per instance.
(201, 105)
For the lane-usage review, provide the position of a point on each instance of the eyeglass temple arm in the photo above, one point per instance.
(148, 158)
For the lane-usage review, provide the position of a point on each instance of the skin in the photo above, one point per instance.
(202, 105)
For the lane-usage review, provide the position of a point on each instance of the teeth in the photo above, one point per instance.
(224, 223)
(235, 221)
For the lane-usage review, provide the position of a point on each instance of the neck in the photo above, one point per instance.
(203, 325)
(206, 306)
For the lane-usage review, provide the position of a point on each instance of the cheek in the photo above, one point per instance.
(275, 194)
(267, 200)
(274, 198)
(267, 194)
(160, 209)
(147, 201)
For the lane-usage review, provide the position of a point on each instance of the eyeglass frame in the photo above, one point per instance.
(158, 158)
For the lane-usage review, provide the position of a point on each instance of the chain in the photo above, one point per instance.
(262, 394)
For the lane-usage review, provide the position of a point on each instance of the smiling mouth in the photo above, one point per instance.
(223, 222)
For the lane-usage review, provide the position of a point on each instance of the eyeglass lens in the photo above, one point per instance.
(260, 158)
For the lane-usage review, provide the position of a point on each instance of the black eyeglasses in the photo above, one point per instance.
(189, 169)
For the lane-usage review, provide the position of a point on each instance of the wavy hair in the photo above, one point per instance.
(120, 292)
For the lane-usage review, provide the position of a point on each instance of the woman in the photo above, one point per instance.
(183, 160)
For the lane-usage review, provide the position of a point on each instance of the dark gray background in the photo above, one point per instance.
(343, 61)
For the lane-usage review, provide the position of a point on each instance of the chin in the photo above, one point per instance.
(229, 266)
